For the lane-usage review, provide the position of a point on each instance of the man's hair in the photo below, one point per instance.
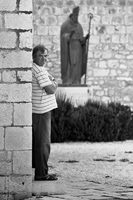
(37, 48)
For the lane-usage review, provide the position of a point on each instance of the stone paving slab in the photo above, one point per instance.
(86, 173)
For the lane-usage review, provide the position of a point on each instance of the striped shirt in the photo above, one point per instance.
(41, 101)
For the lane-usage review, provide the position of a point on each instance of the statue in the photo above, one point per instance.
(73, 50)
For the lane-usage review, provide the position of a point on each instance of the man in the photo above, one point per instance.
(43, 101)
(72, 50)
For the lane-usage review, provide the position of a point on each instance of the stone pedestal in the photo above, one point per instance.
(45, 188)
(78, 94)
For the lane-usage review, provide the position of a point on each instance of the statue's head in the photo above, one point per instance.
(75, 13)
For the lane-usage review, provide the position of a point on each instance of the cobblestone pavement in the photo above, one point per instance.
(92, 171)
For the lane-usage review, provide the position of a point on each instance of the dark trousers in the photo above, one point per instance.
(41, 124)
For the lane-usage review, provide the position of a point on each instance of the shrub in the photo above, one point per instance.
(95, 122)
(60, 121)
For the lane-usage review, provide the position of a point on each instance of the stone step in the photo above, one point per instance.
(45, 188)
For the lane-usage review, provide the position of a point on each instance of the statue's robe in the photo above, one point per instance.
(72, 52)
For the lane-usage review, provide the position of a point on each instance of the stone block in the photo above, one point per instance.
(6, 111)
(130, 57)
(18, 21)
(14, 93)
(40, 188)
(99, 2)
(25, 40)
(46, 10)
(61, 19)
(46, 40)
(42, 30)
(106, 20)
(97, 54)
(83, 19)
(124, 39)
(6, 197)
(107, 54)
(106, 39)
(2, 184)
(127, 98)
(102, 64)
(36, 40)
(5, 168)
(25, 5)
(115, 39)
(2, 138)
(122, 2)
(113, 72)
(23, 114)
(25, 76)
(57, 10)
(117, 20)
(19, 186)
(51, 20)
(15, 59)
(54, 30)
(50, 3)
(101, 29)
(100, 93)
(130, 3)
(17, 138)
(90, 2)
(123, 66)
(101, 10)
(6, 41)
(6, 5)
(96, 20)
(113, 63)
(94, 39)
(9, 76)
(112, 10)
(100, 72)
(59, 3)
(120, 30)
(110, 29)
(129, 29)
(22, 162)
(5, 156)
(1, 23)
(110, 2)
(128, 19)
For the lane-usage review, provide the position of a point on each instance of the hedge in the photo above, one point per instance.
(93, 122)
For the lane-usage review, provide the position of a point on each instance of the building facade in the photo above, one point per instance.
(109, 70)
(15, 99)
(110, 56)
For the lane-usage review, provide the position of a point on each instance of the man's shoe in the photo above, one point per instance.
(48, 177)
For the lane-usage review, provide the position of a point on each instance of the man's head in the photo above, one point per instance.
(39, 54)
(74, 15)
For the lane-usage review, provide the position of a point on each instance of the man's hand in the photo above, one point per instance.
(87, 36)
(51, 78)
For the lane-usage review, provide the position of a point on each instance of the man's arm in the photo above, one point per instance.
(50, 89)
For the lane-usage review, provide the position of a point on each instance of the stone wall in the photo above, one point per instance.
(110, 58)
(15, 99)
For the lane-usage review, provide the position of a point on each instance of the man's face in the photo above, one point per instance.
(40, 58)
